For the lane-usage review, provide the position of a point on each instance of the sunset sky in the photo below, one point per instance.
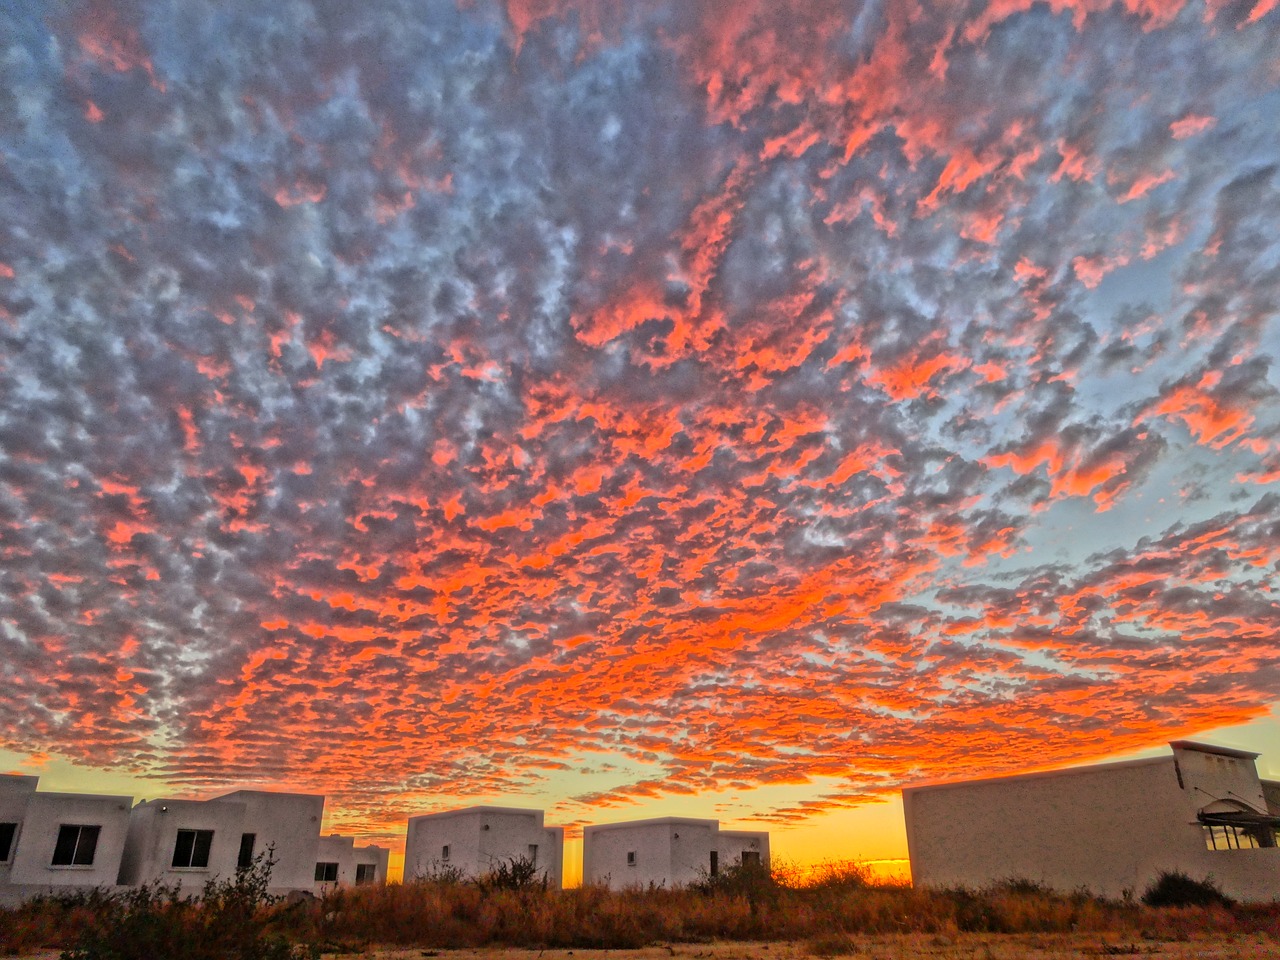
(735, 409)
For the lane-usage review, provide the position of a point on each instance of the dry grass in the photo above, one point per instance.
(830, 913)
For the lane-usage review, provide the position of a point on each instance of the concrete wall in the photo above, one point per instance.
(668, 851)
(732, 844)
(153, 837)
(1110, 828)
(15, 794)
(480, 838)
(31, 865)
(343, 851)
(290, 822)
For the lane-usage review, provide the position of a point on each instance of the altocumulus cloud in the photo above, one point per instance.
(434, 398)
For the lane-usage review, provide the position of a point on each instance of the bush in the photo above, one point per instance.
(1173, 888)
(517, 873)
(156, 922)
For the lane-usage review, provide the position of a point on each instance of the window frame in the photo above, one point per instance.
(366, 873)
(84, 848)
(244, 859)
(323, 870)
(200, 849)
(9, 844)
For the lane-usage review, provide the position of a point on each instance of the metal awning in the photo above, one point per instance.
(1238, 818)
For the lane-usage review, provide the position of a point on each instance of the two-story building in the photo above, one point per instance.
(1111, 828)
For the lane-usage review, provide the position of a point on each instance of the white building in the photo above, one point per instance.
(666, 851)
(52, 842)
(475, 840)
(186, 843)
(1110, 827)
(340, 863)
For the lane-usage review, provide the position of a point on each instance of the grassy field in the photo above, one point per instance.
(738, 916)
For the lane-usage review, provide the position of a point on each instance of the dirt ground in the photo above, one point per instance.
(913, 947)
(910, 947)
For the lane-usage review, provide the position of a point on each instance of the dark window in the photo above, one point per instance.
(631, 858)
(533, 853)
(715, 862)
(7, 831)
(366, 873)
(192, 848)
(245, 860)
(76, 845)
(326, 872)
(444, 852)
(750, 856)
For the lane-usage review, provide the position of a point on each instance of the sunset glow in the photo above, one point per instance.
(635, 409)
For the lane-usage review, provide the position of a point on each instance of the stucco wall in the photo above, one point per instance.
(605, 848)
(15, 793)
(1110, 828)
(343, 851)
(668, 852)
(153, 835)
(732, 844)
(480, 838)
(32, 864)
(290, 821)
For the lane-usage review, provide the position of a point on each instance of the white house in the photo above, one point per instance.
(1111, 828)
(185, 843)
(475, 840)
(666, 851)
(340, 863)
(53, 842)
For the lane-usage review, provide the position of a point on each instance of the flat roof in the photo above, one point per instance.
(459, 811)
(1210, 748)
(656, 821)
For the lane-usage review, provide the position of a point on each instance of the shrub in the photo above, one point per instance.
(156, 922)
(517, 873)
(1173, 888)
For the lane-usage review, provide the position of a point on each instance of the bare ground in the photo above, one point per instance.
(1046, 946)
(907, 947)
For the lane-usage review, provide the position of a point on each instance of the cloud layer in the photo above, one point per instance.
(428, 399)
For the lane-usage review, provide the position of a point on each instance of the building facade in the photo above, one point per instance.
(53, 842)
(666, 852)
(186, 843)
(1110, 828)
(474, 841)
(340, 863)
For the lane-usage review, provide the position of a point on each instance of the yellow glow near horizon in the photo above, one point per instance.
(873, 834)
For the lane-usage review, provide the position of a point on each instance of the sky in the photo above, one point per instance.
(735, 410)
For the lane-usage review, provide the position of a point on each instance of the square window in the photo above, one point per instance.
(7, 833)
(326, 872)
(77, 843)
(191, 849)
(366, 873)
